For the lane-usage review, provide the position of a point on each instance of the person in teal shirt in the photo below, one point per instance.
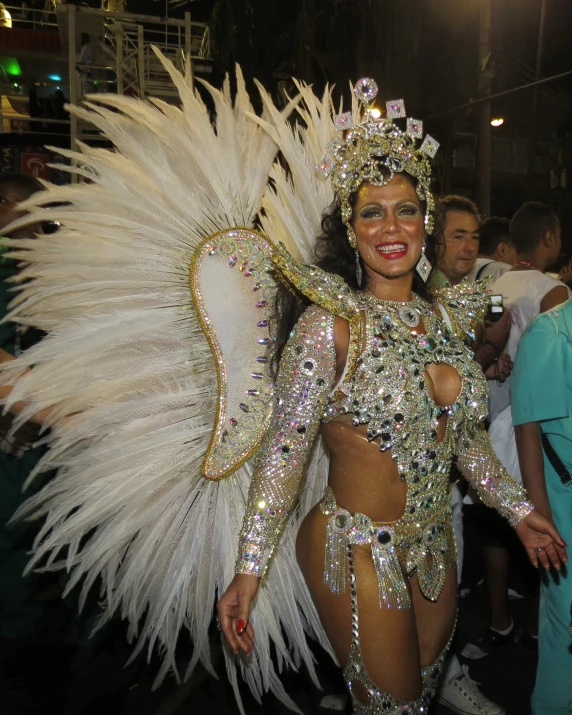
(542, 405)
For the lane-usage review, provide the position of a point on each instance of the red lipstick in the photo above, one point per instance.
(392, 250)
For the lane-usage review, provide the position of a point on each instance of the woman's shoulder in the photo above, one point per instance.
(324, 331)
(316, 315)
(556, 322)
(325, 323)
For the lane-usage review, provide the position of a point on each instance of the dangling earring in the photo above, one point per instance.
(423, 266)
(353, 243)
(359, 274)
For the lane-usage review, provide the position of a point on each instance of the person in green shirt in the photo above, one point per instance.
(542, 405)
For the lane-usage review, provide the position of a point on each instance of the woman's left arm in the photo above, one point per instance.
(482, 468)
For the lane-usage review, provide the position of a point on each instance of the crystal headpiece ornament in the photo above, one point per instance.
(376, 149)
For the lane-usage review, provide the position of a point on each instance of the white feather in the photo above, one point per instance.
(130, 376)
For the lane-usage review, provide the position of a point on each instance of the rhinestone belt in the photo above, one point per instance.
(428, 544)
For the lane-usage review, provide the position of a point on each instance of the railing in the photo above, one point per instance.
(515, 162)
(25, 125)
(129, 44)
(163, 32)
(121, 42)
(33, 18)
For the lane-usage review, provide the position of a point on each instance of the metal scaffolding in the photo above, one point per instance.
(124, 60)
(121, 56)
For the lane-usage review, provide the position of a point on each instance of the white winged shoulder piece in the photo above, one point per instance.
(156, 296)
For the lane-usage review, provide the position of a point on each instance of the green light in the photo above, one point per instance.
(10, 66)
(96, 82)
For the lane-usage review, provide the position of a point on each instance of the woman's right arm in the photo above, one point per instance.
(306, 377)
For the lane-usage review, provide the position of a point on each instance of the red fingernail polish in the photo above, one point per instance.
(240, 626)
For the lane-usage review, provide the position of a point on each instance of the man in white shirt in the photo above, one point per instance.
(497, 252)
(84, 64)
(527, 291)
(453, 253)
(87, 52)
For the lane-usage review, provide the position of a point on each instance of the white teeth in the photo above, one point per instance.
(392, 248)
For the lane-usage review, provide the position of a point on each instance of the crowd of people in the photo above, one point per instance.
(378, 233)
(514, 256)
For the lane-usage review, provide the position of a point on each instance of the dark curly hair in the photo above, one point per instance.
(334, 255)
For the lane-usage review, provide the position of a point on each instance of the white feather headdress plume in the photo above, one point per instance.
(296, 198)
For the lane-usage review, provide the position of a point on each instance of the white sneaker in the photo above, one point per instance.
(334, 702)
(462, 695)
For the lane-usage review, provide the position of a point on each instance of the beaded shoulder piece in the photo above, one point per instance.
(327, 290)
(466, 305)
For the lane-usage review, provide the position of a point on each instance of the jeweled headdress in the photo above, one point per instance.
(376, 149)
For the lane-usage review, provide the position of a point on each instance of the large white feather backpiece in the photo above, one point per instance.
(147, 376)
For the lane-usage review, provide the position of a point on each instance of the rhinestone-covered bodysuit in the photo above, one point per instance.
(385, 386)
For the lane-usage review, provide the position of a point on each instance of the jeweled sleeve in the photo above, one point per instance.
(477, 461)
(306, 377)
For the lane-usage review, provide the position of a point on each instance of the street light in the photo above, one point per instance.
(497, 122)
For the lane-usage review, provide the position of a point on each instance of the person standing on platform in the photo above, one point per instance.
(85, 63)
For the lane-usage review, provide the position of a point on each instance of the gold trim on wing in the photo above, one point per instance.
(235, 438)
(232, 443)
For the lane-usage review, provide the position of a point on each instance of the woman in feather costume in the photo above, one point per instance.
(154, 441)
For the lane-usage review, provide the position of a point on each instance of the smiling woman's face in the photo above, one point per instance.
(389, 225)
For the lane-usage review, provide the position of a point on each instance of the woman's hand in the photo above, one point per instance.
(542, 541)
(234, 611)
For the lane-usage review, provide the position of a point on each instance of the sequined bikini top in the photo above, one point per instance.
(385, 384)
(387, 389)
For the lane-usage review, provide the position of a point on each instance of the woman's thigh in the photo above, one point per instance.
(388, 636)
(395, 643)
(435, 619)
